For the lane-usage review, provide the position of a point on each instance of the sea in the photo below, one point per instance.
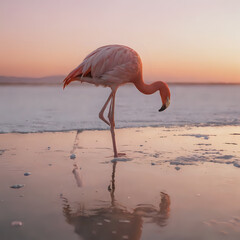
(44, 108)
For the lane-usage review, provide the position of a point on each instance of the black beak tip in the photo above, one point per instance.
(162, 108)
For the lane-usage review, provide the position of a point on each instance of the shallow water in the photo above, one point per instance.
(93, 197)
(49, 108)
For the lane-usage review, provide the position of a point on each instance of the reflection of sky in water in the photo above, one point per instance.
(44, 108)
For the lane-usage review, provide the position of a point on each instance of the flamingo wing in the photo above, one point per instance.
(108, 65)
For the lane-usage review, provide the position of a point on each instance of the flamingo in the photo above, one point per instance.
(112, 66)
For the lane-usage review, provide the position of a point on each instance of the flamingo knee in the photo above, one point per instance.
(101, 116)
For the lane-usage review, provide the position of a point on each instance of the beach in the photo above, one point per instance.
(178, 182)
(120, 120)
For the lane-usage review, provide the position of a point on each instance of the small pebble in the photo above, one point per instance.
(73, 156)
(177, 168)
(153, 163)
(107, 220)
(16, 223)
(27, 173)
(17, 186)
(124, 221)
(49, 148)
(49, 164)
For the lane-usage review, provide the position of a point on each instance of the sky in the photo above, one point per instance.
(178, 40)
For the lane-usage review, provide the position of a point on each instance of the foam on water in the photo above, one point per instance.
(49, 108)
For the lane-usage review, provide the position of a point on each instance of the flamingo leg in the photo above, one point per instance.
(101, 116)
(112, 123)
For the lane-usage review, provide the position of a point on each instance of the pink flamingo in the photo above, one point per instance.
(112, 66)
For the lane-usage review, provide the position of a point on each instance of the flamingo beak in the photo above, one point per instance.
(162, 108)
(165, 105)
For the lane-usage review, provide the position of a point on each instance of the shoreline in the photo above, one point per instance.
(193, 125)
(195, 141)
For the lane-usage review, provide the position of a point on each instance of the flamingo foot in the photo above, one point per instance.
(119, 155)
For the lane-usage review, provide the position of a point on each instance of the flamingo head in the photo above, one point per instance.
(165, 96)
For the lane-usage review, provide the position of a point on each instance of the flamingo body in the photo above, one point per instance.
(112, 66)
(109, 66)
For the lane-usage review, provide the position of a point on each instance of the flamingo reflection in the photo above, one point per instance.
(113, 220)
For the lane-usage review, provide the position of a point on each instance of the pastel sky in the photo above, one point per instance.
(178, 40)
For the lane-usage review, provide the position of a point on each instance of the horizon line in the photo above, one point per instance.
(5, 82)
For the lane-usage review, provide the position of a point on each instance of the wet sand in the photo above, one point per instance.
(174, 183)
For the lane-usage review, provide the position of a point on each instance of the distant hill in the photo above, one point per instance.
(49, 80)
(58, 79)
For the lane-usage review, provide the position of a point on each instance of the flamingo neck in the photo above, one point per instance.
(148, 88)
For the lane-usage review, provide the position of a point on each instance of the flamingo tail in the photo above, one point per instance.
(77, 72)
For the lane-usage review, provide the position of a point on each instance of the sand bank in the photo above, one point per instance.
(174, 183)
